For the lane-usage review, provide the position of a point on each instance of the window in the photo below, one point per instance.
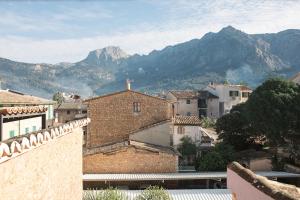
(188, 114)
(188, 101)
(233, 93)
(136, 107)
(26, 130)
(68, 112)
(11, 134)
(33, 128)
(180, 129)
(245, 94)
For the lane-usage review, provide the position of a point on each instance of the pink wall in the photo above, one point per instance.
(243, 190)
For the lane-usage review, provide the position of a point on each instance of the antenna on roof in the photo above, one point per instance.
(128, 84)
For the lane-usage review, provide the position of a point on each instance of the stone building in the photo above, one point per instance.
(184, 102)
(194, 103)
(69, 111)
(130, 157)
(115, 116)
(129, 133)
(21, 114)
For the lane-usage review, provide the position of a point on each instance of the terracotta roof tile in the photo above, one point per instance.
(11, 97)
(187, 120)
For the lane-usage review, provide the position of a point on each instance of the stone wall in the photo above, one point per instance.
(113, 118)
(43, 165)
(130, 160)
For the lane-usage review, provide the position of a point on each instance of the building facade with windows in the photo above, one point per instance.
(69, 111)
(229, 95)
(21, 114)
(129, 133)
(184, 102)
(115, 116)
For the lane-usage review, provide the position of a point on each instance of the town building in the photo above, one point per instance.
(132, 128)
(115, 116)
(69, 111)
(229, 95)
(194, 103)
(190, 126)
(21, 114)
(184, 102)
(208, 104)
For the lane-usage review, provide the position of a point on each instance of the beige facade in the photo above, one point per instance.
(130, 160)
(115, 116)
(159, 134)
(229, 95)
(184, 105)
(43, 168)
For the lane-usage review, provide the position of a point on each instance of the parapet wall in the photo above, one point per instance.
(246, 185)
(43, 165)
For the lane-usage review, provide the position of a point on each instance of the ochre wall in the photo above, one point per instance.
(112, 116)
(130, 160)
(52, 171)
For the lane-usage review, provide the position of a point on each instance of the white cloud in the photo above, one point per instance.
(185, 20)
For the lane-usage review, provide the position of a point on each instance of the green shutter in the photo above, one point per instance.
(11, 134)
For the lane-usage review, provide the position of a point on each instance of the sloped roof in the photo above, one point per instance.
(274, 189)
(187, 120)
(120, 92)
(118, 146)
(71, 106)
(12, 97)
(185, 94)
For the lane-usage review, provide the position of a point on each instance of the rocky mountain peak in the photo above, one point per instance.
(110, 52)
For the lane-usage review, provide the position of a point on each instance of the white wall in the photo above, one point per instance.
(182, 108)
(159, 135)
(222, 91)
(213, 108)
(20, 126)
(193, 132)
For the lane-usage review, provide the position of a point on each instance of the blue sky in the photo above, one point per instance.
(65, 31)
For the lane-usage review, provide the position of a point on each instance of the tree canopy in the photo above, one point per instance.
(272, 110)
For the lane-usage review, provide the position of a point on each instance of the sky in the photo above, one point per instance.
(65, 31)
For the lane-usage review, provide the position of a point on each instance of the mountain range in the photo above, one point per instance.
(229, 54)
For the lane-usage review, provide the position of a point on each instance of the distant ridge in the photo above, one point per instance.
(229, 54)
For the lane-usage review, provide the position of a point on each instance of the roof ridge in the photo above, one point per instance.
(120, 92)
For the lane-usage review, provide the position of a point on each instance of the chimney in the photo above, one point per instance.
(128, 84)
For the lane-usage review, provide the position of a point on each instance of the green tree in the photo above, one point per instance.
(273, 109)
(58, 97)
(187, 147)
(217, 159)
(234, 128)
(154, 193)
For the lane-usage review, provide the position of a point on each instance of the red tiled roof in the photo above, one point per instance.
(11, 97)
(23, 110)
(187, 120)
